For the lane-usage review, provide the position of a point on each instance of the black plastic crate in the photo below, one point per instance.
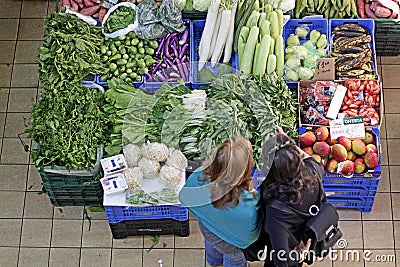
(75, 201)
(150, 227)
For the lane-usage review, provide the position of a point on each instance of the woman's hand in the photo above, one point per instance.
(303, 249)
(280, 130)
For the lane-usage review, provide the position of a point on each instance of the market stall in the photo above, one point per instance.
(137, 95)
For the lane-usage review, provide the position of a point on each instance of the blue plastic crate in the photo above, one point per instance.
(151, 87)
(105, 85)
(354, 182)
(370, 174)
(257, 178)
(343, 192)
(369, 24)
(363, 204)
(319, 24)
(198, 26)
(118, 214)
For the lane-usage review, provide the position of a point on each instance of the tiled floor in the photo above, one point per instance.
(34, 233)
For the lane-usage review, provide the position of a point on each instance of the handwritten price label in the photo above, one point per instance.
(350, 127)
(325, 69)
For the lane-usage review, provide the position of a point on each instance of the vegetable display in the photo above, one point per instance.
(119, 19)
(171, 60)
(352, 52)
(69, 124)
(69, 52)
(259, 42)
(85, 7)
(329, 9)
(378, 9)
(127, 57)
(300, 60)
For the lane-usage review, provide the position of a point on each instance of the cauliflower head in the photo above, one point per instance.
(132, 153)
(171, 176)
(177, 159)
(156, 151)
(150, 168)
(133, 178)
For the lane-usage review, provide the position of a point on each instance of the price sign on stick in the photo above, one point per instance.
(350, 127)
(325, 69)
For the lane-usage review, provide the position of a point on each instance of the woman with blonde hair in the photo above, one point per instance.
(221, 196)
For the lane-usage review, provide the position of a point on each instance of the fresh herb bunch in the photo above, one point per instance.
(70, 50)
(69, 124)
(283, 102)
(120, 19)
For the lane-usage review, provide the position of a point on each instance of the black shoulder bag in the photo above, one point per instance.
(321, 225)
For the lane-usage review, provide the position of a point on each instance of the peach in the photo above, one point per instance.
(369, 138)
(322, 133)
(339, 152)
(332, 165)
(372, 147)
(344, 141)
(348, 168)
(358, 147)
(359, 165)
(371, 159)
(322, 149)
(351, 156)
(307, 139)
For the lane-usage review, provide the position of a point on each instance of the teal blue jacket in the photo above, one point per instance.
(239, 226)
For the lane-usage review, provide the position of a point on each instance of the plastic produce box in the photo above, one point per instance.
(344, 192)
(151, 87)
(135, 84)
(289, 28)
(387, 37)
(370, 174)
(369, 24)
(71, 190)
(363, 204)
(118, 214)
(198, 26)
(150, 227)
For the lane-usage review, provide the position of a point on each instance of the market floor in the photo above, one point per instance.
(34, 233)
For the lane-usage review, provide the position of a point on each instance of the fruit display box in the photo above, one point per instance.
(364, 154)
(363, 204)
(362, 98)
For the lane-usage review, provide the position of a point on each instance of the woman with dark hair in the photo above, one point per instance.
(220, 195)
(293, 178)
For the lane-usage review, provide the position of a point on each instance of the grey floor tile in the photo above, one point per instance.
(349, 214)
(99, 234)
(33, 257)
(34, 180)
(10, 8)
(194, 240)
(68, 213)
(27, 51)
(348, 258)
(10, 230)
(396, 227)
(13, 151)
(164, 242)
(391, 78)
(391, 100)
(7, 52)
(51, 7)
(11, 204)
(381, 209)
(378, 234)
(378, 258)
(31, 29)
(25, 75)
(34, 9)
(393, 125)
(95, 257)
(15, 175)
(384, 183)
(153, 257)
(393, 151)
(126, 257)
(129, 242)
(352, 233)
(3, 101)
(37, 206)
(8, 256)
(384, 150)
(8, 29)
(2, 123)
(16, 124)
(66, 233)
(396, 206)
(182, 256)
(394, 181)
(36, 232)
(64, 257)
(5, 74)
(326, 262)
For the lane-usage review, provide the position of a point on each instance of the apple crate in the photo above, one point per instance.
(345, 192)
(375, 173)
(150, 227)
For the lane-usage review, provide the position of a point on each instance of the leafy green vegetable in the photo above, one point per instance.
(120, 19)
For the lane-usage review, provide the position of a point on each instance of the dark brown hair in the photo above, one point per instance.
(229, 170)
(288, 173)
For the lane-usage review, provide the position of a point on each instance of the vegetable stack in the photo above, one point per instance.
(259, 41)
(85, 7)
(378, 9)
(217, 38)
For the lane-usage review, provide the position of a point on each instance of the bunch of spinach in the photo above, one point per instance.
(69, 125)
(70, 50)
(283, 102)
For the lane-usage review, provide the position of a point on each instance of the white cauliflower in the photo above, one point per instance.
(177, 159)
(156, 151)
(171, 176)
(150, 168)
(133, 154)
(133, 177)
